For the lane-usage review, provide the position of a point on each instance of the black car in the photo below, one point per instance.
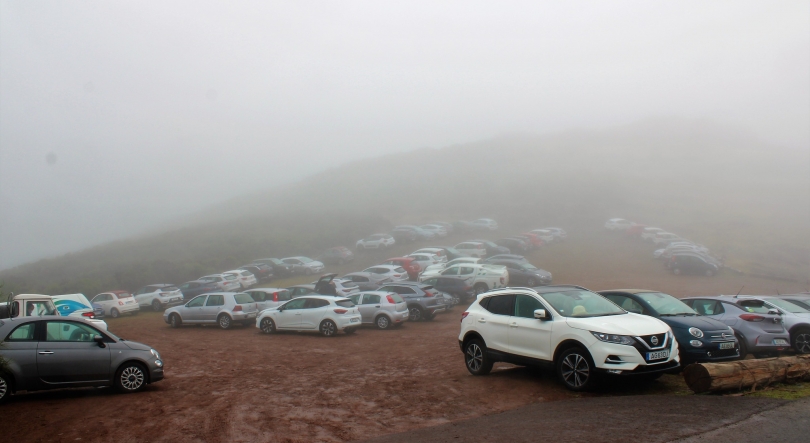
(280, 269)
(455, 286)
(261, 271)
(523, 273)
(493, 249)
(514, 244)
(196, 287)
(692, 264)
(700, 338)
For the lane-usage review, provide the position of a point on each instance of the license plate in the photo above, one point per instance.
(780, 341)
(657, 355)
(354, 320)
(729, 345)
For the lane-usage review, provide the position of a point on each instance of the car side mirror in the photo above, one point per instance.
(541, 314)
(774, 311)
(99, 340)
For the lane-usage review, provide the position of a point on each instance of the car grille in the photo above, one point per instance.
(660, 339)
(723, 336)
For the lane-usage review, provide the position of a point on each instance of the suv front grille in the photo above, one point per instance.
(657, 341)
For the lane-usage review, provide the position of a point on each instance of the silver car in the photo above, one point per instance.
(795, 317)
(381, 309)
(758, 328)
(367, 281)
(217, 308)
(51, 352)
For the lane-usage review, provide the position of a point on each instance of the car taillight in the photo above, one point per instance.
(120, 303)
(275, 296)
(88, 315)
(237, 308)
(390, 299)
(752, 317)
(341, 311)
(464, 315)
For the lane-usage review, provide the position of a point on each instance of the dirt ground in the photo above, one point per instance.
(240, 385)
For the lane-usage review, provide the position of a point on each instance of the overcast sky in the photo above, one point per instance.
(118, 116)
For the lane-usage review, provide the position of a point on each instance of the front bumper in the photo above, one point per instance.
(619, 359)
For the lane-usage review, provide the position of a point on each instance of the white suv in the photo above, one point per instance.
(578, 331)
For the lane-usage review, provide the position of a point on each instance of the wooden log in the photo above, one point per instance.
(744, 374)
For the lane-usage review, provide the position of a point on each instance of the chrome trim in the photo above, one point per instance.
(663, 345)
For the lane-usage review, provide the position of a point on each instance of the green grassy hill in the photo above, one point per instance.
(739, 196)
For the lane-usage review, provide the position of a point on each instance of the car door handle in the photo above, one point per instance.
(482, 320)
(377, 306)
(513, 325)
(46, 352)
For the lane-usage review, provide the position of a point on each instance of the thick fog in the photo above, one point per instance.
(119, 117)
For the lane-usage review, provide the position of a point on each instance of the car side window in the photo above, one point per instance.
(298, 303)
(69, 331)
(525, 305)
(23, 332)
(196, 302)
(355, 299)
(312, 303)
(501, 304)
(406, 291)
(451, 271)
(215, 300)
(370, 299)
(707, 307)
(465, 270)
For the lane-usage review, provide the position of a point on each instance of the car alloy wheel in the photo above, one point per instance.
(476, 359)
(575, 370)
(4, 388)
(415, 313)
(267, 326)
(132, 378)
(156, 306)
(801, 342)
(114, 313)
(383, 322)
(175, 321)
(328, 328)
(224, 321)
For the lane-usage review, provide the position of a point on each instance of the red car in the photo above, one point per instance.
(534, 238)
(408, 263)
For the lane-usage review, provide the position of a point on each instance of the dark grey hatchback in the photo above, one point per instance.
(53, 352)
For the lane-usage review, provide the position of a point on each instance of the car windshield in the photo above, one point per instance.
(787, 306)
(276, 261)
(242, 298)
(580, 304)
(124, 294)
(526, 266)
(345, 303)
(665, 304)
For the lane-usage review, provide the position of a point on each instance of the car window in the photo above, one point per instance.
(451, 271)
(430, 281)
(313, 303)
(465, 270)
(400, 270)
(215, 300)
(755, 306)
(242, 298)
(257, 295)
(282, 295)
(23, 332)
(69, 331)
(525, 305)
(296, 304)
(355, 298)
(345, 303)
(707, 307)
(788, 306)
(501, 304)
(196, 302)
(38, 308)
(370, 299)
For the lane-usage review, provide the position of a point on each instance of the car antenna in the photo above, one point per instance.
(738, 292)
(777, 291)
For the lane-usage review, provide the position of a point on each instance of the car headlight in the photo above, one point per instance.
(696, 332)
(612, 338)
(155, 353)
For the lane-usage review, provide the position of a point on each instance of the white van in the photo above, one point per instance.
(28, 305)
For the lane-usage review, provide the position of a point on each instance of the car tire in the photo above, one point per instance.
(575, 369)
(415, 313)
(676, 271)
(800, 340)
(175, 321)
(743, 347)
(156, 306)
(224, 321)
(475, 357)
(328, 328)
(5, 387)
(130, 377)
(480, 288)
(531, 283)
(114, 313)
(267, 326)
(382, 322)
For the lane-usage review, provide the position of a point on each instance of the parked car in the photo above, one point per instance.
(224, 282)
(50, 352)
(116, 303)
(522, 273)
(581, 333)
(28, 305)
(417, 233)
(436, 230)
(262, 272)
(439, 267)
(691, 263)
(701, 339)
(391, 272)
(544, 234)
(485, 224)
(337, 255)
(617, 224)
(219, 308)
(670, 250)
(795, 317)
(504, 257)
(665, 238)
(514, 244)
(367, 281)
(424, 302)
(802, 300)
(482, 277)
(493, 249)
(327, 315)
(559, 233)
(635, 230)
(381, 309)
(246, 279)
(280, 269)
(409, 264)
(649, 233)
(376, 241)
(758, 328)
(405, 234)
(452, 253)
(472, 248)
(447, 226)
(77, 305)
(455, 286)
(194, 288)
(303, 265)
(439, 252)
(532, 239)
(301, 290)
(266, 298)
(327, 284)
(424, 259)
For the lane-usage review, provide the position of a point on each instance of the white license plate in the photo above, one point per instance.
(729, 345)
(354, 320)
(657, 355)
(780, 341)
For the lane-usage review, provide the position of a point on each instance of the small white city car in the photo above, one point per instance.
(322, 313)
(578, 331)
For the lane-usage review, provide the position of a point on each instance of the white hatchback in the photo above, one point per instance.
(393, 272)
(578, 331)
(246, 279)
(117, 303)
(321, 313)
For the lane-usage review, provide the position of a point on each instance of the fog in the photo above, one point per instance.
(118, 118)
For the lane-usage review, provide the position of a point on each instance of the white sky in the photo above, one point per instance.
(156, 109)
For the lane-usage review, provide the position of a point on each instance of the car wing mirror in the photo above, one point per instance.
(99, 340)
(541, 314)
(774, 311)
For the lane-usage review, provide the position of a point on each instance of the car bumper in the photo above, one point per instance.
(695, 355)
(155, 373)
(128, 308)
(770, 343)
(400, 316)
(242, 316)
(630, 359)
(348, 321)
(436, 309)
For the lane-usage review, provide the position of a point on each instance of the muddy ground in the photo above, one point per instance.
(240, 385)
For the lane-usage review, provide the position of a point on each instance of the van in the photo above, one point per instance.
(28, 305)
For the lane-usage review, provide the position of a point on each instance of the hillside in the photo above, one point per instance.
(741, 197)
